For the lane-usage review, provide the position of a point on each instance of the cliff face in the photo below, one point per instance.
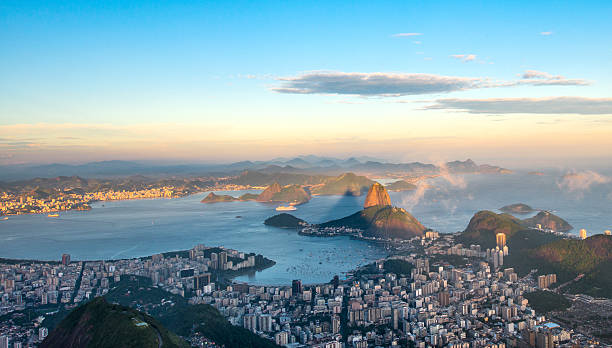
(269, 192)
(377, 195)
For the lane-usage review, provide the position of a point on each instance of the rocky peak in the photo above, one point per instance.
(377, 195)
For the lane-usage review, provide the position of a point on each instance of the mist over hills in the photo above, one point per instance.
(302, 164)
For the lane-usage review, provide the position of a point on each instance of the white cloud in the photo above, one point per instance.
(550, 105)
(406, 34)
(546, 33)
(541, 78)
(464, 57)
(580, 182)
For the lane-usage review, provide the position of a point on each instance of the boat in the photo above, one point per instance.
(5, 218)
(53, 215)
(285, 208)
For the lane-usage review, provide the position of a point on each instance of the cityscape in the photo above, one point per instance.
(301, 174)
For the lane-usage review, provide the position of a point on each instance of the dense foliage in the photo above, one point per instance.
(546, 301)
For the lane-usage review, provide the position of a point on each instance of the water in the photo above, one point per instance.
(125, 229)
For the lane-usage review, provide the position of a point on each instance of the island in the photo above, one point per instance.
(401, 185)
(517, 208)
(285, 220)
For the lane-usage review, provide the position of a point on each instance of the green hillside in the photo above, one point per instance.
(485, 224)
(284, 220)
(548, 220)
(101, 324)
(382, 222)
(214, 198)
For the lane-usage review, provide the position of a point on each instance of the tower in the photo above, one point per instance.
(583, 234)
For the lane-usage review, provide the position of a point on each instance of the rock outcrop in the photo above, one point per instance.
(377, 196)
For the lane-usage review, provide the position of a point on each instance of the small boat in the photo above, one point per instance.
(285, 208)
(53, 215)
(5, 218)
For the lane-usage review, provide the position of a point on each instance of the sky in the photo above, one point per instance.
(519, 83)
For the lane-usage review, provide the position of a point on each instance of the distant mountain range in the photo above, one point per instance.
(302, 164)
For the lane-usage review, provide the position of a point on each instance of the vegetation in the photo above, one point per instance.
(548, 220)
(547, 301)
(180, 317)
(213, 198)
(485, 224)
(397, 266)
(381, 221)
(101, 324)
(284, 220)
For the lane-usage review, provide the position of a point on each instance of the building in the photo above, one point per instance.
(608, 233)
(4, 342)
(501, 240)
(296, 286)
(444, 298)
(281, 338)
(545, 281)
(42, 333)
(65, 259)
(335, 320)
(583, 234)
(201, 280)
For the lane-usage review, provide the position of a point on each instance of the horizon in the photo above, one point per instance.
(516, 85)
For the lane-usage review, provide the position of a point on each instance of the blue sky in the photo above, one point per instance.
(102, 71)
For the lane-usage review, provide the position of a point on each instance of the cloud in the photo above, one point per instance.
(541, 78)
(550, 105)
(464, 57)
(580, 182)
(375, 84)
(398, 84)
(546, 33)
(406, 34)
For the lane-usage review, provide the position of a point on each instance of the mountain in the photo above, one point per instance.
(101, 324)
(485, 224)
(213, 198)
(518, 208)
(381, 222)
(269, 192)
(345, 184)
(377, 195)
(548, 220)
(292, 194)
(401, 185)
(284, 220)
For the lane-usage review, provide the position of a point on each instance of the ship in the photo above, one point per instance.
(5, 218)
(286, 208)
(53, 215)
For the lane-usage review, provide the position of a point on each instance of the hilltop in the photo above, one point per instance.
(284, 220)
(518, 208)
(381, 222)
(485, 224)
(377, 195)
(101, 324)
(548, 220)
(213, 198)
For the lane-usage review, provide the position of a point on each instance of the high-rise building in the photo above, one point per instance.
(608, 233)
(501, 240)
(335, 320)
(65, 259)
(583, 234)
(223, 260)
(281, 338)
(42, 333)
(214, 262)
(296, 286)
(4, 342)
(444, 298)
